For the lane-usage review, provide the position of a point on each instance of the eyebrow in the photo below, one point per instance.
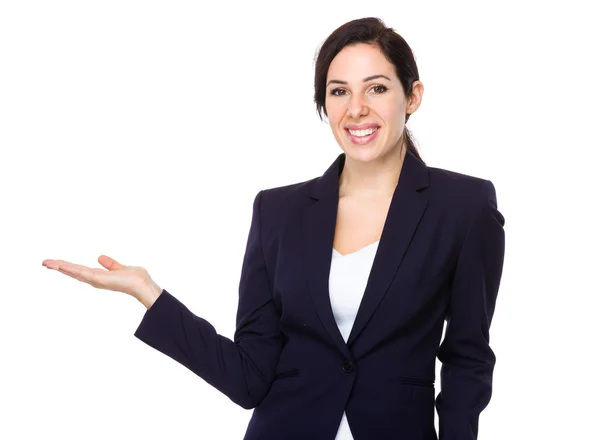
(368, 78)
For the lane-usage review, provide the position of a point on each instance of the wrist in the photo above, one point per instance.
(149, 294)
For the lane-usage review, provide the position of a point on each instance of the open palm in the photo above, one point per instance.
(118, 277)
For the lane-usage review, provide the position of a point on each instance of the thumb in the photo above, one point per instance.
(109, 263)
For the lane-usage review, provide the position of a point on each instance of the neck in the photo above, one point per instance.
(376, 178)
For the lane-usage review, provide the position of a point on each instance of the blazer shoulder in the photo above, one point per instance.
(455, 180)
(278, 203)
(288, 195)
(461, 192)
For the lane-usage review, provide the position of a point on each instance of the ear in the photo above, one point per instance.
(415, 98)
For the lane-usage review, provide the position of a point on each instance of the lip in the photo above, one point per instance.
(361, 126)
(362, 140)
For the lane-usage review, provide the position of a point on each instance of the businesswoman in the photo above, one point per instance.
(347, 278)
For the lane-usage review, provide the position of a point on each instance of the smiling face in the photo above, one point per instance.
(363, 92)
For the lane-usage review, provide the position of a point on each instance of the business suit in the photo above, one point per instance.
(440, 257)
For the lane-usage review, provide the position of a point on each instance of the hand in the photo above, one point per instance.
(132, 280)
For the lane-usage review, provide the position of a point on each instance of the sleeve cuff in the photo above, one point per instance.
(158, 318)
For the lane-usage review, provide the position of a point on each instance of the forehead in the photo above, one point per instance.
(355, 62)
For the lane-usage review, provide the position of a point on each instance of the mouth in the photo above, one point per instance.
(362, 137)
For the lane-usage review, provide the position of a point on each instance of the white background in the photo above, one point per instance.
(143, 130)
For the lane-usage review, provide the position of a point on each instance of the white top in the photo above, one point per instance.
(347, 281)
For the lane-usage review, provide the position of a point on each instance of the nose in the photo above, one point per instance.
(357, 107)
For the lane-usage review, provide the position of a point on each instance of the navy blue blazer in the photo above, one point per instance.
(440, 258)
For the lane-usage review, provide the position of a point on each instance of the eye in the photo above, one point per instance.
(382, 89)
(334, 92)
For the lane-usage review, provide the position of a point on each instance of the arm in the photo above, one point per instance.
(242, 369)
(466, 357)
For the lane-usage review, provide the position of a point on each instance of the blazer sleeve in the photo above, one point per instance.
(243, 368)
(466, 357)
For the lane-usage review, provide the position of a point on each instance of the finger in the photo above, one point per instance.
(69, 265)
(53, 264)
(109, 263)
(78, 272)
(92, 276)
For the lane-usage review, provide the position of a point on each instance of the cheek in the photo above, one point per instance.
(392, 115)
(335, 112)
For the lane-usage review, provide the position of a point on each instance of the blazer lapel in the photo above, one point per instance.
(317, 246)
(406, 209)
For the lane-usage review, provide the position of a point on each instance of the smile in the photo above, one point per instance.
(362, 137)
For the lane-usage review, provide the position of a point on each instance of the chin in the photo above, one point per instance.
(363, 154)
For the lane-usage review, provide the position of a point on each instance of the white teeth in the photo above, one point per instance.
(361, 133)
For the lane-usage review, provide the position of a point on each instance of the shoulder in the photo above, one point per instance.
(453, 193)
(286, 197)
(462, 196)
(277, 204)
(457, 187)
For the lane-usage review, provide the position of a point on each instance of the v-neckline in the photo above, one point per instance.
(339, 254)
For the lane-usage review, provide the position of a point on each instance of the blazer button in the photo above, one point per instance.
(347, 366)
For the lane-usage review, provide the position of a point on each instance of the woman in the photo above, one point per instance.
(347, 279)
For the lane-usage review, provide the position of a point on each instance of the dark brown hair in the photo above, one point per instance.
(370, 30)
